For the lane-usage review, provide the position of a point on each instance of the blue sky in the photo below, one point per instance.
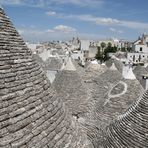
(42, 20)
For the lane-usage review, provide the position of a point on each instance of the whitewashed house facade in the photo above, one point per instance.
(140, 50)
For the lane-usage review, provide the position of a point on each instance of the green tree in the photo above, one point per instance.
(103, 45)
(109, 44)
(129, 49)
(103, 55)
(99, 55)
(109, 50)
(123, 49)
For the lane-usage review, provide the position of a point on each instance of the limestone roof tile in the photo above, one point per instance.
(31, 114)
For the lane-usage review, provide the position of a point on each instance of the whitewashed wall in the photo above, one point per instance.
(144, 48)
(137, 55)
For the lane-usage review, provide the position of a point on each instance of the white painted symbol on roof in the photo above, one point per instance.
(116, 95)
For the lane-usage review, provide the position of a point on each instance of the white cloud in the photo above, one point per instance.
(36, 35)
(21, 31)
(97, 20)
(50, 30)
(50, 13)
(112, 29)
(120, 31)
(108, 21)
(134, 25)
(62, 28)
(89, 3)
(60, 32)
(42, 35)
(28, 29)
(116, 30)
(50, 35)
(47, 3)
(10, 2)
(29, 3)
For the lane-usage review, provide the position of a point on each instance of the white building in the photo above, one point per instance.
(124, 44)
(140, 50)
(84, 45)
(78, 55)
(141, 45)
(33, 46)
(93, 51)
(89, 48)
(137, 57)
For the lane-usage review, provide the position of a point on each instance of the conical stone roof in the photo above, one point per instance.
(100, 90)
(53, 63)
(95, 68)
(90, 72)
(69, 65)
(30, 113)
(119, 65)
(130, 130)
(139, 71)
(113, 67)
(70, 88)
(39, 60)
(112, 95)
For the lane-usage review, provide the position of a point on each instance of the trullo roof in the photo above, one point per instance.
(30, 113)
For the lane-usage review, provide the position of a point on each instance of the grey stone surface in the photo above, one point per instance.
(111, 95)
(139, 71)
(31, 114)
(118, 64)
(71, 89)
(52, 63)
(130, 130)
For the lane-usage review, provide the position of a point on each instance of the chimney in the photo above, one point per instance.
(145, 81)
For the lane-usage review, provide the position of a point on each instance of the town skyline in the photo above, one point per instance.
(87, 19)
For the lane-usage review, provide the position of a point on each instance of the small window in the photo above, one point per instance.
(140, 48)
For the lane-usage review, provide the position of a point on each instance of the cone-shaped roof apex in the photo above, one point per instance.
(69, 65)
(113, 67)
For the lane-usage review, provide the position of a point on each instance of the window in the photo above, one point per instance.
(140, 48)
(134, 58)
(139, 57)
